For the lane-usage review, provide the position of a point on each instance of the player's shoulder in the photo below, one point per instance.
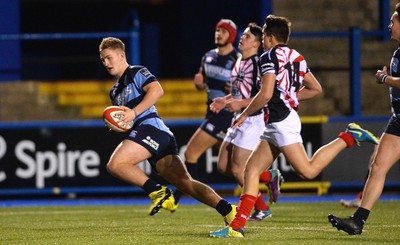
(211, 52)
(281, 50)
(139, 70)
(254, 57)
(396, 53)
(267, 54)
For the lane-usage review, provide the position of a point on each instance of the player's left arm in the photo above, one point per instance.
(219, 103)
(154, 92)
(260, 100)
(382, 77)
(237, 104)
(311, 87)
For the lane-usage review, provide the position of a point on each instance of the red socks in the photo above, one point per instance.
(245, 206)
(260, 204)
(247, 202)
(265, 176)
(348, 138)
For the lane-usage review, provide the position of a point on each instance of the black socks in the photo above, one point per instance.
(360, 216)
(150, 186)
(223, 207)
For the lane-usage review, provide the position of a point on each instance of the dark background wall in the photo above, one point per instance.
(174, 34)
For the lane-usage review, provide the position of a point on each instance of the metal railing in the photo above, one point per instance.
(354, 35)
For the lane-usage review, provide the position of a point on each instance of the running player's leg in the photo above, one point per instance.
(261, 158)
(122, 164)
(388, 153)
(225, 158)
(309, 169)
(171, 167)
(197, 145)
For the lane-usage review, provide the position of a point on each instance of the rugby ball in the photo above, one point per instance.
(111, 116)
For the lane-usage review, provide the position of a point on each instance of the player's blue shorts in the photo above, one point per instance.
(159, 143)
(216, 125)
(393, 126)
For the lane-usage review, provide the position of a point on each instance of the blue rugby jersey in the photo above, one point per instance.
(394, 92)
(128, 91)
(217, 70)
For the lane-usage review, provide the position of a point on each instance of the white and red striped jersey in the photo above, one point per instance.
(245, 78)
(290, 67)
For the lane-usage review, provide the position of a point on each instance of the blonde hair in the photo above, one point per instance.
(112, 43)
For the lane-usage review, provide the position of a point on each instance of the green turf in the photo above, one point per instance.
(292, 223)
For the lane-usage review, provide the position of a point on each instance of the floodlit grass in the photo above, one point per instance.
(292, 223)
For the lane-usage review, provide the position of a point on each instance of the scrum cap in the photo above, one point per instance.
(230, 26)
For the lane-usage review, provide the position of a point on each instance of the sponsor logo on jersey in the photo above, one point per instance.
(229, 64)
(133, 133)
(145, 72)
(210, 127)
(218, 72)
(209, 59)
(152, 143)
(222, 135)
(123, 97)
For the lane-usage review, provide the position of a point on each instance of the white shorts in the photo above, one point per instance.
(285, 132)
(247, 135)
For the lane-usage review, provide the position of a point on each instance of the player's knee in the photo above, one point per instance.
(188, 155)
(237, 173)
(378, 169)
(222, 169)
(251, 174)
(111, 167)
(191, 159)
(308, 174)
(192, 155)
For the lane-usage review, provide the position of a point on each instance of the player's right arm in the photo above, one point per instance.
(260, 100)
(220, 103)
(382, 77)
(199, 80)
(311, 87)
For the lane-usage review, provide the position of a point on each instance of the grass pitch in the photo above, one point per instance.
(291, 223)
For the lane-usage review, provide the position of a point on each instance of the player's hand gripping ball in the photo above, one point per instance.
(112, 117)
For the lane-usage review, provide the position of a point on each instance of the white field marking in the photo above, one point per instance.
(331, 229)
(280, 228)
(383, 226)
(66, 212)
(126, 210)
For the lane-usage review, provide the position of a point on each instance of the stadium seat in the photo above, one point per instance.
(181, 99)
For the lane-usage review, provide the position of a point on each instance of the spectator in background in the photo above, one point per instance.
(388, 152)
(214, 76)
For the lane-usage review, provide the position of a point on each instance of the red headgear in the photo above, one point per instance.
(230, 26)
